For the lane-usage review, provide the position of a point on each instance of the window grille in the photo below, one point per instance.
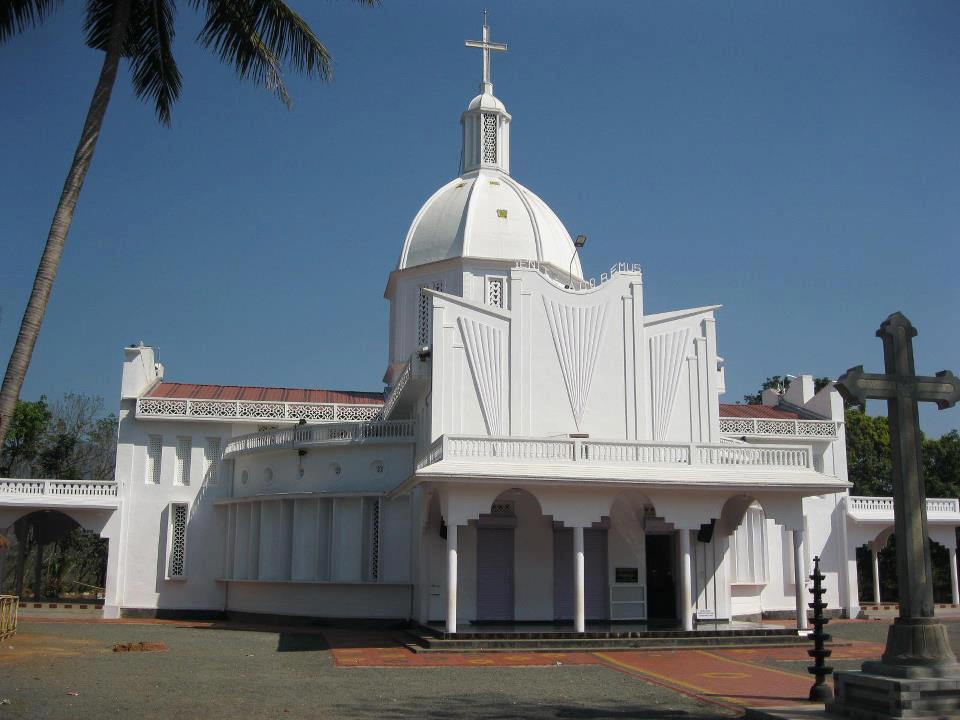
(748, 548)
(154, 455)
(374, 539)
(182, 474)
(489, 138)
(502, 508)
(495, 292)
(211, 461)
(423, 313)
(178, 540)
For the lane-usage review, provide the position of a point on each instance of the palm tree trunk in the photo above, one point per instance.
(52, 252)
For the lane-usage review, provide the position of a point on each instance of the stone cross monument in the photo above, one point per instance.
(918, 672)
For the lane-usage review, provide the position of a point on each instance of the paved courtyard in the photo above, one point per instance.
(61, 666)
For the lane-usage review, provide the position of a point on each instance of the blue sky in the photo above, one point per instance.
(797, 162)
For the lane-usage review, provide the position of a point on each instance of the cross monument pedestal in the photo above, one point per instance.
(918, 674)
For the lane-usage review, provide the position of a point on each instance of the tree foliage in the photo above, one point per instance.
(868, 454)
(68, 440)
(25, 438)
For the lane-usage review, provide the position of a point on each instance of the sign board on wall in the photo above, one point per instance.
(627, 575)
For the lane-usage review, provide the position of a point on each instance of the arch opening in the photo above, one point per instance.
(49, 556)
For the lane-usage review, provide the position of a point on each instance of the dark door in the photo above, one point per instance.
(495, 573)
(661, 591)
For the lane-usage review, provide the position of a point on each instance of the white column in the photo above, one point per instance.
(800, 579)
(579, 605)
(451, 578)
(954, 587)
(686, 582)
(875, 562)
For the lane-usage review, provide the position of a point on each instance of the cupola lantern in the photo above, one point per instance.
(486, 123)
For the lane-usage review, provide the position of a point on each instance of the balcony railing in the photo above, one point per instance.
(253, 410)
(397, 390)
(304, 436)
(603, 452)
(58, 488)
(767, 427)
(884, 505)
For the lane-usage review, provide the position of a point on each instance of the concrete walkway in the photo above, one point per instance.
(63, 667)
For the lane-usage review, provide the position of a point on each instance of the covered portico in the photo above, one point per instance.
(660, 530)
(93, 505)
(870, 523)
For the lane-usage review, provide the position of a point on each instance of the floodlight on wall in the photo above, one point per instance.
(577, 244)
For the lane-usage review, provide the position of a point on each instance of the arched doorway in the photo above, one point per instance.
(50, 556)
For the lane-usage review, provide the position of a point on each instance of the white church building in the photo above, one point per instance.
(545, 450)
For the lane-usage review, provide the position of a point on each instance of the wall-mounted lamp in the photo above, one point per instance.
(577, 244)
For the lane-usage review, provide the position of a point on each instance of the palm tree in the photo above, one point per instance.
(256, 37)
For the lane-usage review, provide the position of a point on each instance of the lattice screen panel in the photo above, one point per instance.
(154, 455)
(495, 292)
(211, 460)
(489, 138)
(178, 539)
(423, 314)
(182, 474)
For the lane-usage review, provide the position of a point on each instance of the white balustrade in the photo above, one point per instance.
(59, 488)
(256, 410)
(310, 435)
(884, 505)
(743, 455)
(600, 452)
(778, 427)
(618, 452)
(506, 448)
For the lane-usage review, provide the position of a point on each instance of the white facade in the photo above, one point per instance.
(545, 450)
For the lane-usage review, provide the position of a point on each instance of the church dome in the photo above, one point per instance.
(487, 214)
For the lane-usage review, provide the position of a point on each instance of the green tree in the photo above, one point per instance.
(256, 37)
(941, 465)
(24, 439)
(868, 453)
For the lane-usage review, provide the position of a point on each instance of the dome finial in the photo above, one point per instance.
(486, 85)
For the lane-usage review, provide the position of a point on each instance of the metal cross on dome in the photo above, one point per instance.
(486, 46)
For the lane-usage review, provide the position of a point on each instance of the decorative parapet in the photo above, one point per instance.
(565, 279)
(601, 452)
(883, 506)
(306, 436)
(768, 427)
(58, 488)
(253, 410)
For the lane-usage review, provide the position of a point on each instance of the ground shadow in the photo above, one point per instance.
(427, 708)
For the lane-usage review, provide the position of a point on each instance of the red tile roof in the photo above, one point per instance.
(239, 392)
(756, 411)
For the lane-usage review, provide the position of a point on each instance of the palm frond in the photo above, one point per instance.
(155, 72)
(260, 37)
(17, 15)
(291, 39)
